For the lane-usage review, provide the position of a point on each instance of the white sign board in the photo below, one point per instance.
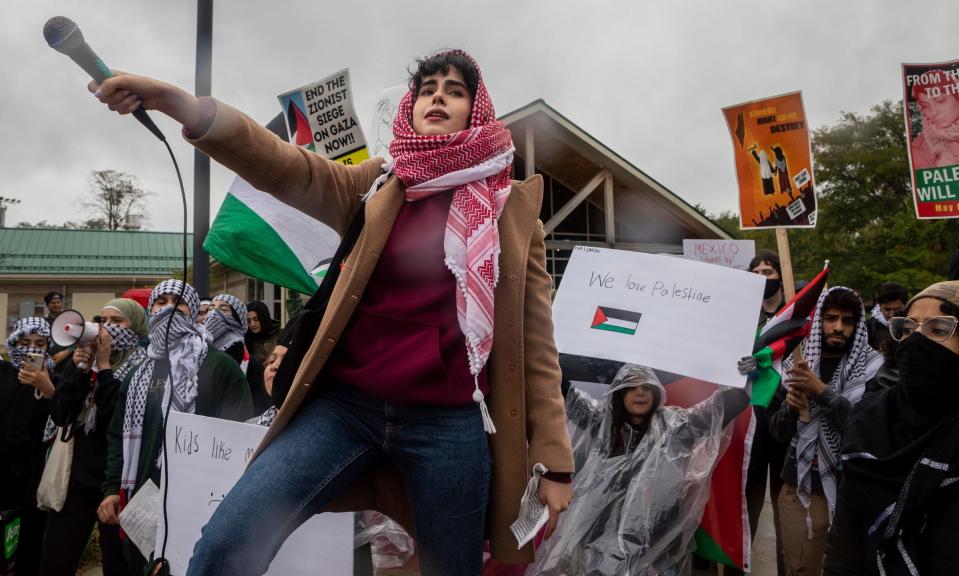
(206, 458)
(380, 128)
(671, 314)
(729, 253)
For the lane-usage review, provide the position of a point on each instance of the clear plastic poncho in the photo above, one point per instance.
(635, 513)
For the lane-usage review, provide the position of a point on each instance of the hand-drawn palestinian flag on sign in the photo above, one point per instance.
(615, 320)
(780, 336)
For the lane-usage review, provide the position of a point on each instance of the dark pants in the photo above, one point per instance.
(69, 530)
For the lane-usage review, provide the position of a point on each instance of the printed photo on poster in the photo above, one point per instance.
(773, 163)
(931, 94)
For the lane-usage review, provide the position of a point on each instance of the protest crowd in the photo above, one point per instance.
(453, 438)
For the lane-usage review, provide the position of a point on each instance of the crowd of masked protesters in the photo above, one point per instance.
(105, 400)
(858, 448)
(405, 406)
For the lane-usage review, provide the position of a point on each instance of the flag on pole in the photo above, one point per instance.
(780, 336)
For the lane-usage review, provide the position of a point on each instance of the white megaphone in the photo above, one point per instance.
(69, 328)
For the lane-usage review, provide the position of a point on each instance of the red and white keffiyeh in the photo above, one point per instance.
(476, 164)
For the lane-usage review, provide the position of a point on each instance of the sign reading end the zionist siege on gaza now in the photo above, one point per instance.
(932, 126)
(668, 313)
(321, 118)
(773, 163)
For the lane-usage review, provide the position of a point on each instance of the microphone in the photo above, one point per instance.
(64, 36)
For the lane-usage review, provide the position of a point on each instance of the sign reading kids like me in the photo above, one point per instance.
(932, 124)
(321, 118)
(675, 315)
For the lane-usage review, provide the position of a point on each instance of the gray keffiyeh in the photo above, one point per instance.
(817, 440)
(174, 336)
(226, 329)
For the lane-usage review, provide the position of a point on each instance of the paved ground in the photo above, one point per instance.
(764, 546)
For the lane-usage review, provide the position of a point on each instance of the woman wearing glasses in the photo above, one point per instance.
(898, 506)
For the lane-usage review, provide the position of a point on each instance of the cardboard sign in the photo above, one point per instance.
(206, 457)
(773, 163)
(668, 313)
(932, 125)
(320, 117)
(381, 125)
(729, 253)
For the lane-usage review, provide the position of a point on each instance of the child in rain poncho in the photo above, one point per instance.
(639, 495)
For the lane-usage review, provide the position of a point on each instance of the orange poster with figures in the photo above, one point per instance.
(773, 163)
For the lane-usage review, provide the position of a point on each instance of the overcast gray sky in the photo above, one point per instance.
(648, 79)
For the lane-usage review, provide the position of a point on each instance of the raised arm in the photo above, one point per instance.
(328, 191)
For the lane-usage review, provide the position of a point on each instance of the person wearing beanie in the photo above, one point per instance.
(643, 479)
(898, 506)
(439, 325)
(182, 372)
(83, 406)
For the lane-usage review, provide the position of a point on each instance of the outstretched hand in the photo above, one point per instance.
(125, 93)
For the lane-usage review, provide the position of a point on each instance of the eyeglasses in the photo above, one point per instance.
(937, 328)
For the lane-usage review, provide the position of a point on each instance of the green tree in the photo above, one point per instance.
(867, 226)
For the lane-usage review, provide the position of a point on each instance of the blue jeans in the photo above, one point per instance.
(334, 440)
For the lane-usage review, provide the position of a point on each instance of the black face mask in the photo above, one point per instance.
(928, 374)
(772, 286)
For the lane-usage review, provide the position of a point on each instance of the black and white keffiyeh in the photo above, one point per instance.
(176, 337)
(28, 327)
(226, 329)
(818, 441)
(121, 337)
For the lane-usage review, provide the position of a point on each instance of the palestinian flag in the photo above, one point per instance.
(258, 235)
(780, 336)
(615, 320)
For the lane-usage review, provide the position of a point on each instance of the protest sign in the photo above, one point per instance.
(668, 313)
(381, 126)
(320, 116)
(932, 125)
(729, 253)
(258, 235)
(773, 163)
(206, 456)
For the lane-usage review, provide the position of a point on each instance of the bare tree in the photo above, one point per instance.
(113, 197)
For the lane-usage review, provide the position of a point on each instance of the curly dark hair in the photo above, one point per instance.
(768, 257)
(440, 64)
(844, 300)
(890, 292)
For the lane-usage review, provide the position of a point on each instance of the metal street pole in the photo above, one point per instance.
(201, 162)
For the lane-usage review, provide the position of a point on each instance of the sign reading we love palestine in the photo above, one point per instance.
(684, 317)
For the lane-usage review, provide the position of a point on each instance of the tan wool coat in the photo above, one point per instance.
(524, 375)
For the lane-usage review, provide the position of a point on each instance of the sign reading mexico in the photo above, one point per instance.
(206, 456)
(932, 124)
(773, 163)
(320, 116)
(730, 253)
(671, 314)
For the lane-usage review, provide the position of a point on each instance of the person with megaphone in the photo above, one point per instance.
(25, 385)
(83, 406)
(182, 372)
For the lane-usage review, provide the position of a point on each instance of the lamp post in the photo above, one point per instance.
(201, 162)
(4, 202)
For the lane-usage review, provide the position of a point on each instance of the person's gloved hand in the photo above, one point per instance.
(746, 365)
